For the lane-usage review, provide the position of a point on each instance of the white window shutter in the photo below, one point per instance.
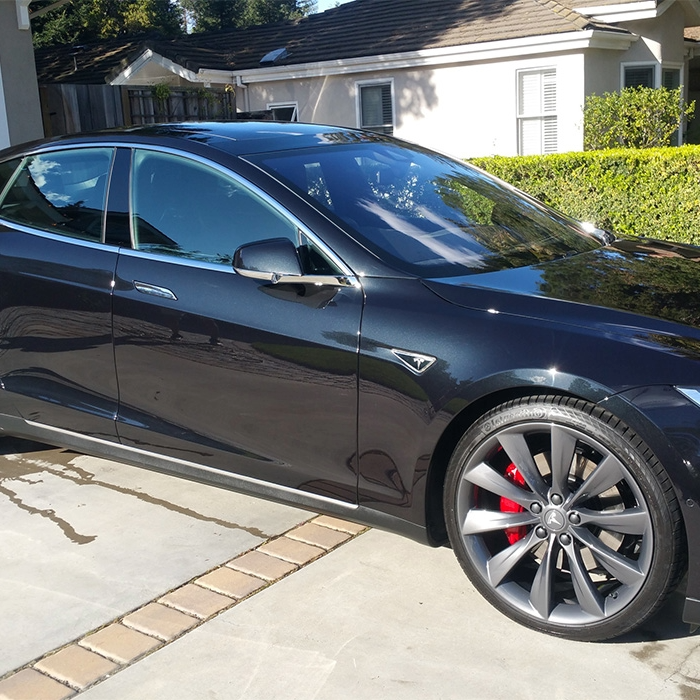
(537, 112)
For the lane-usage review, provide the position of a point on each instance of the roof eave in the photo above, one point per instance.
(645, 9)
(469, 53)
(150, 56)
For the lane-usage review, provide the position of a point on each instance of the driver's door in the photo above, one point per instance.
(220, 369)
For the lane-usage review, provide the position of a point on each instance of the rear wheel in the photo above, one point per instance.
(563, 518)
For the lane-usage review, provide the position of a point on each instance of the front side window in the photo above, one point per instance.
(376, 108)
(537, 112)
(188, 209)
(61, 192)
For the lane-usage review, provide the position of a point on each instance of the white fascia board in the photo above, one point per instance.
(627, 12)
(487, 51)
(149, 56)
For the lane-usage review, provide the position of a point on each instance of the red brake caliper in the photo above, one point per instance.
(507, 506)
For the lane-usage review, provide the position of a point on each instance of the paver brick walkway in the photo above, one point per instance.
(64, 673)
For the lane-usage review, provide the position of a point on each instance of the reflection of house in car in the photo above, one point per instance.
(472, 78)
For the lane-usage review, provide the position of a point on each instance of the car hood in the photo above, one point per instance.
(655, 279)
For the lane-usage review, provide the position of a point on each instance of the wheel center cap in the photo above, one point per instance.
(554, 520)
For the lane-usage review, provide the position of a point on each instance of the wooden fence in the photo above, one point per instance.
(70, 109)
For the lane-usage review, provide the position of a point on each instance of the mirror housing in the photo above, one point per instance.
(276, 260)
(270, 260)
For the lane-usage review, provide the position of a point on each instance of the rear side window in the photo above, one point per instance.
(62, 192)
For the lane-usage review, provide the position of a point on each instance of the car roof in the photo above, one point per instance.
(236, 138)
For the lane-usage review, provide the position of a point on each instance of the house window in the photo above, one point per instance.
(376, 107)
(639, 76)
(671, 78)
(288, 112)
(537, 112)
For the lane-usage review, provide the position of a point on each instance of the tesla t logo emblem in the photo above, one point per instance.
(416, 362)
(554, 520)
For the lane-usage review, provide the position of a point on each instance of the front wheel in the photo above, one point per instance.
(563, 518)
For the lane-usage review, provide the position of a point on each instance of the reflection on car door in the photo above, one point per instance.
(56, 359)
(222, 370)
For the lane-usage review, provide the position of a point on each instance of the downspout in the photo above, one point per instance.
(246, 96)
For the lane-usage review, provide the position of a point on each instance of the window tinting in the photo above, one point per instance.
(185, 208)
(62, 192)
(427, 214)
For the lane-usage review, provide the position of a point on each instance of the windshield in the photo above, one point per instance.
(424, 213)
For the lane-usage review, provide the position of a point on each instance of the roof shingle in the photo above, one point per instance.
(356, 29)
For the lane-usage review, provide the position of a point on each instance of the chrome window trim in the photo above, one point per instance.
(175, 260)
(61, 238)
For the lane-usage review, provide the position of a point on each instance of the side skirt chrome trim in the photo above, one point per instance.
(192, 471)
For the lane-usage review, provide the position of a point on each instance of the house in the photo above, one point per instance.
(20, 111)
(471, 77)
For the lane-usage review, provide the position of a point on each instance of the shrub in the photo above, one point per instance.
(639, 192)
(636, 117)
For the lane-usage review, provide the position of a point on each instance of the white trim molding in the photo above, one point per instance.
(645, 9)
(150, 56)
(470, 53)
(23, 14)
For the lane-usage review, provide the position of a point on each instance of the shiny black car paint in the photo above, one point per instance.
(295, 393)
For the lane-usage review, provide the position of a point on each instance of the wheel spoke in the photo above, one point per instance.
(623, 569)
(632, 521)
(516, 448)
(586, 593)
(500, 565)
(478, 521)
(487, 478)
(541, 591)
(562, 455)
(608, 473)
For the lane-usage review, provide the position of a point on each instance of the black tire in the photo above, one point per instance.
(563, 519)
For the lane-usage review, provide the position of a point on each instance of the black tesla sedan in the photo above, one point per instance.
(362, 327)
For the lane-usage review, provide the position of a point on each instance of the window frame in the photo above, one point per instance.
(378, 128)
(285, 105)
(543, 115)
(655, 65)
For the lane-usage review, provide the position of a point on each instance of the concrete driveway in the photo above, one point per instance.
(119, 583)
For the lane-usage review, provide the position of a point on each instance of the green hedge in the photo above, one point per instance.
(651, 192)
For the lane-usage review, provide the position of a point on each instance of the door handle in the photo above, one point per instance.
(154, 290)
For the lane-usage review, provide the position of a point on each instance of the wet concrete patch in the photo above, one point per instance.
(85, 540)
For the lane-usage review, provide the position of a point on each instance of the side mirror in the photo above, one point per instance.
(273, 260)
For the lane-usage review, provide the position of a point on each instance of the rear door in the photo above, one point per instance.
(56, 277)
(223, 370)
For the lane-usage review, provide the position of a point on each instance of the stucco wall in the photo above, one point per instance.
(20, 94)
(467, 110)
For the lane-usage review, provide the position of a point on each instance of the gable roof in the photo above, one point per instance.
(362, 28)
